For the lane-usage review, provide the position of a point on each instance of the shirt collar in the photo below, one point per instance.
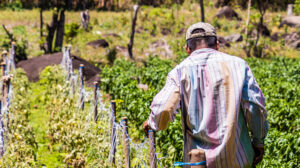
(202, 50)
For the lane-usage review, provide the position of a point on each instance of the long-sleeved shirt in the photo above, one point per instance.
(222, 105)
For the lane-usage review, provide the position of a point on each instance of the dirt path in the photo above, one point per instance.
(39, 120)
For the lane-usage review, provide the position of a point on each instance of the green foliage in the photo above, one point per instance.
(121, 82)
(71, 30)
(297, 7)
(278, 78)
(20, 143)
(19, 36)
(15, 5)
(111, 55)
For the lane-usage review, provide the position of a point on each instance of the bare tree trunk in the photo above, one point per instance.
(51, 32)
(202, 11)
(262, 6)
(60, 31)
(136, 9)
(41, 29)
(85, 4)
(10, 35)
(104, 4)
(85, 18)
(247, 48)
(259, 28)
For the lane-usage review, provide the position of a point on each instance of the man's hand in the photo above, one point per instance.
(146, 127)
(259, 153)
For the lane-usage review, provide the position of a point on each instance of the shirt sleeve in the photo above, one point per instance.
(164, 104)
(253, 104)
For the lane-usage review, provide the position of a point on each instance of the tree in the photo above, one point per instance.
(202, 10)
(130, 45)
(57, 27)
(262, 7)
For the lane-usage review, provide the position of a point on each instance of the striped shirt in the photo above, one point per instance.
(222, 106)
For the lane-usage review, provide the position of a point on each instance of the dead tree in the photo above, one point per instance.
(85, 18)
(42, 47)
(51, 31)
(136, 9)
(60, 31)
(221, 3)
(247, 48)
(262, 6)
(57, 25)
(10, 36)
(202, 10)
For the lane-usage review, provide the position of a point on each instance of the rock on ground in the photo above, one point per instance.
(123, 50)
(34, 66)
(275, 37)
(161, 47)
(98, 43)
(228, 13)
(234, 38)
(293, 21)
(223, 42)
(293, 40)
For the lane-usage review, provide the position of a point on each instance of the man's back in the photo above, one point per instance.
(220, 97)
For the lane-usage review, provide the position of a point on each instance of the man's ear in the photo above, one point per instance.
(217, 45)
(187, 49)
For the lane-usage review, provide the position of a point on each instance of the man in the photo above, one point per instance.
(220, 103)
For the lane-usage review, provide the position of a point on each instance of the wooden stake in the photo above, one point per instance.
(95, 101)
(130, 45)
(152, 145)
(4, 56)
(197, 155)
(6, 82)
(81, 68)
(126, 142)
(113, 131)
(13, 55)
(72, 79)
(202, 11)
(3, 67)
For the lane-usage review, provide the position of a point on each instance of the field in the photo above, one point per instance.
(47, 128)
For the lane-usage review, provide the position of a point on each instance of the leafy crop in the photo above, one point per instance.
(48, 128)
(279, 79)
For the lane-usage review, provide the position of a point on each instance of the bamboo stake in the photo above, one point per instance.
(197, 155)
(113, 132)
(95, 101)
(81, 68)
(3, 67)
(130, 45)
(126, 142)
(13, 56)
(202, 11)
(6, 81)
(153, 159)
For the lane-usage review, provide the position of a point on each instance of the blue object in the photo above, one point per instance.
(190, 164)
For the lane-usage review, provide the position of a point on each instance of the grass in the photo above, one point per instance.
(151, 22)
(39, 120)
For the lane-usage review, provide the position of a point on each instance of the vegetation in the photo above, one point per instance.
(278, 77)
(47, 127)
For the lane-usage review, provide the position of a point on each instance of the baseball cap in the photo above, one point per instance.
(209, 30)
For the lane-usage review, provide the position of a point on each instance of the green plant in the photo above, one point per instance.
(278, 78)
(71, 30)
(297, 7)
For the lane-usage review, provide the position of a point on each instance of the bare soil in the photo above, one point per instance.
(34, 66)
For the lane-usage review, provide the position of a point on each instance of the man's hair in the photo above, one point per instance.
(209, 41)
